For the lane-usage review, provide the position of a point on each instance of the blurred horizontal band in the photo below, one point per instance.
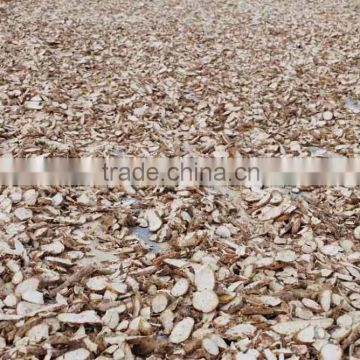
(183, 171)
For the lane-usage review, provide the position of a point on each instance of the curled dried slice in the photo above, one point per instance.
(38, 332)
(85, 317)
(204, 278)
(325, 299)
(306, 336)
(159, 303)
(210, 346)
(27, 285)
(223, 231)
(240, 331)
(331, 352)
(54, 248)
(78, 354)
(286, 256)
(180, 288)
(357, 233)
(97, 283)
(270, 300)
(23, 213)
(182, 330)
(205, 300)
(154, 220)
(33, 296)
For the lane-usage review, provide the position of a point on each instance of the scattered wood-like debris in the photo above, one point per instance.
(103, 291)
(198, 273)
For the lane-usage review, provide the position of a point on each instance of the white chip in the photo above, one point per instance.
(205, 300)
(23, 213)
(97, 283)
(182, 330)
(204, 278)
(286, 256)
(85, 317)
(180, 288)
(159, 303)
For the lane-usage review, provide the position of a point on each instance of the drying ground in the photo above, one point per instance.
(228, 273)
